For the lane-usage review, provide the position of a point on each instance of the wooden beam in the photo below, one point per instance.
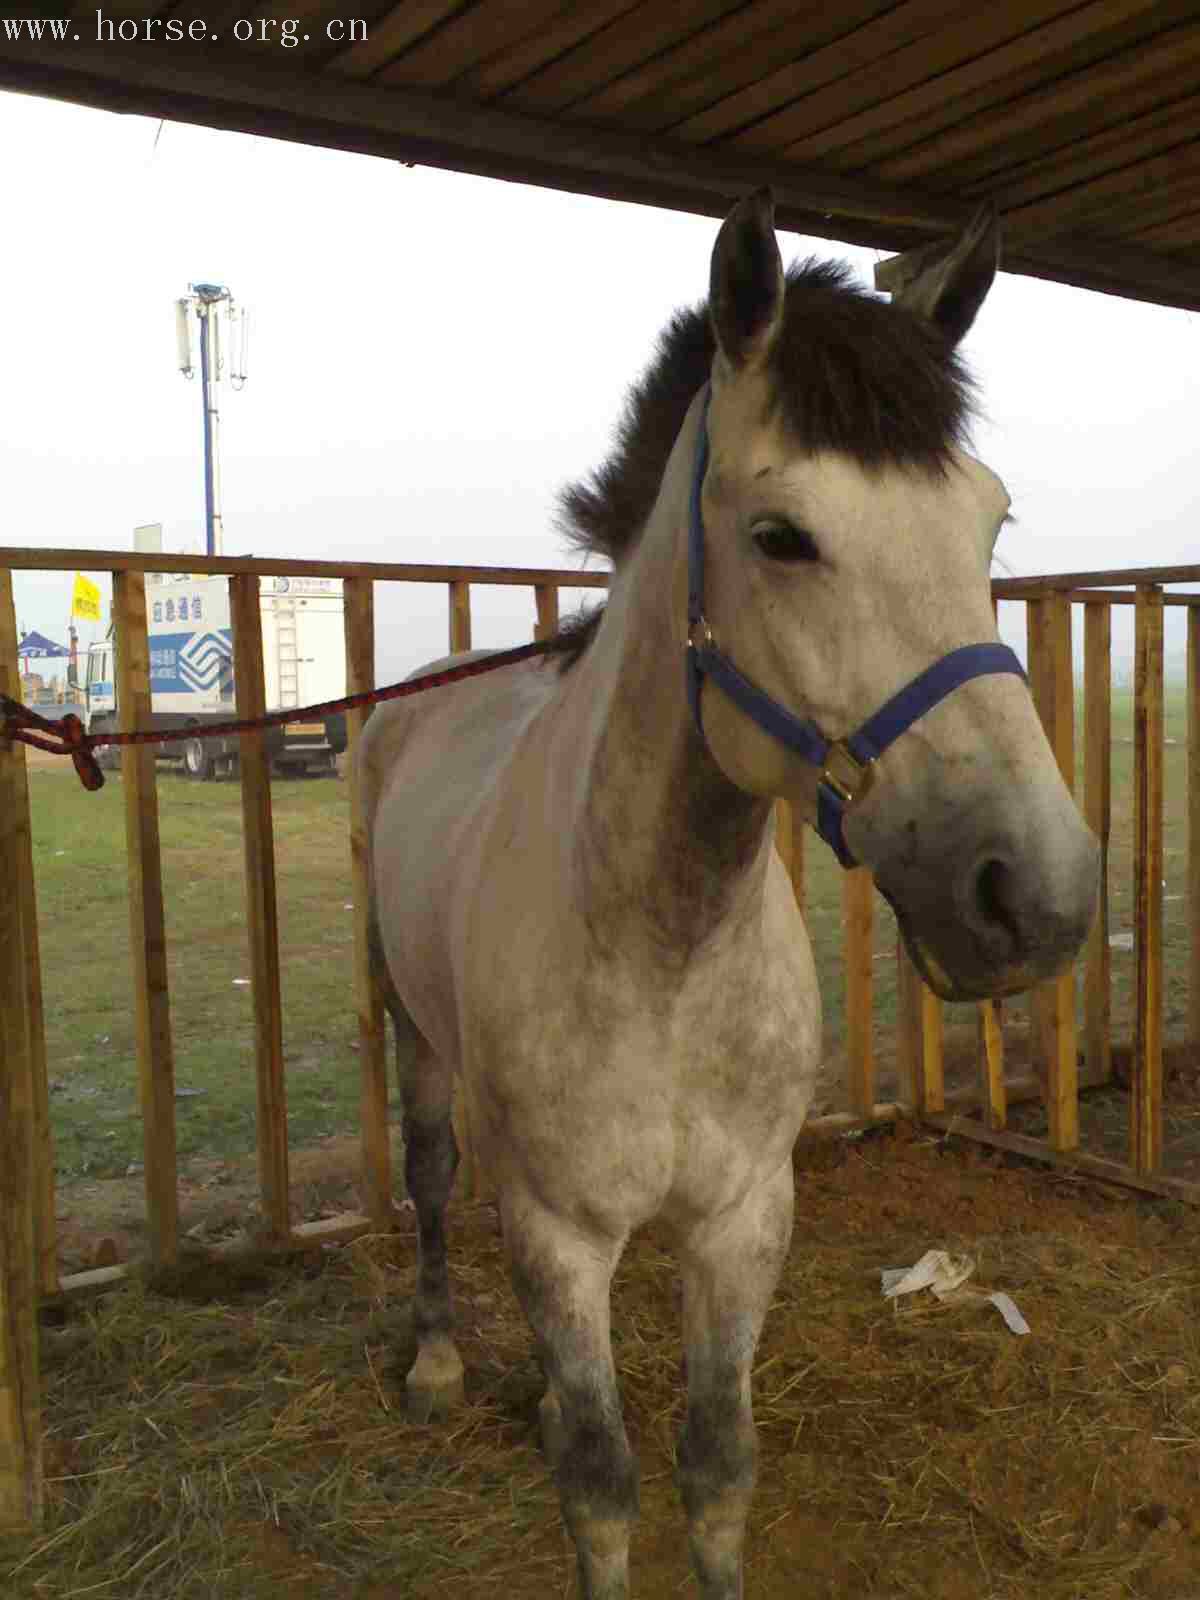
(1072, 1161)
(1053, 1002)
(25, 888)
(920, 1027)
(1019, 588)
(546, 599)
(219, 87)
(1193, 833)
(1097, 812)
(1145, 1099)
(262, 915)
(21, 1466)
(359, 623)
(460, 617)
(1080, 597)
(147, 923)
(789, 842)
(858, 906)
(993, 1091)
(29, 560)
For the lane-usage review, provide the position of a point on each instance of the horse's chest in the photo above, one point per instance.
(643, 1100)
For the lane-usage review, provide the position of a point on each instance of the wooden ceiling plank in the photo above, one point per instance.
(1077, 158)
(626, 42)
(756, 55)
(1160, 207)
(1182, 233)
(513, 64)
(1143, 185)
(401, 27)
(960, 59)
(1032, 115)
(848, 60)
(990, 101)
(719, 46)
(311, 17)
(469, 39)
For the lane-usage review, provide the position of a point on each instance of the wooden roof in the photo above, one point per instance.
(876, 122)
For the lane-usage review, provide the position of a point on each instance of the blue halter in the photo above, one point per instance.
(845, 765)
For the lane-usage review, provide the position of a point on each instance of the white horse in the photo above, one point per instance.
(577, 907)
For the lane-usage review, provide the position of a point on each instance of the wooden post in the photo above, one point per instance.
(789, 841)
(262, 916)
(1097, 811)
(1193, 833)
(21, 1193)
(372, 1053)
(546, 597)
(1145, 1105)
(994, 1091)
(858, 897)
(460, 616)
(1053, 1002)
(24, 886)
(921, 1029)
(147, 923)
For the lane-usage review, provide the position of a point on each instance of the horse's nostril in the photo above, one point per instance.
(993, 902)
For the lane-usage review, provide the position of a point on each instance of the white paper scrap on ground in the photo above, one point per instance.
(945, 1276)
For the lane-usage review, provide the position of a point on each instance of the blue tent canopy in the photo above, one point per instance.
(36, 645)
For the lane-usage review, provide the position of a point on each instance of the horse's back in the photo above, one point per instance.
(429, 765)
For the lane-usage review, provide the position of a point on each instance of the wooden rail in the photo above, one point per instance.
(978, 1110)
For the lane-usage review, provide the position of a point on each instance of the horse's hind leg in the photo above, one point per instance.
(435, 1381)
(730, 1269)
(562, 1279)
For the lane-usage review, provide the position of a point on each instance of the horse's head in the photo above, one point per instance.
(847, 541)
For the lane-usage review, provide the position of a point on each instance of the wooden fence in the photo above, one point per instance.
(28, 1252)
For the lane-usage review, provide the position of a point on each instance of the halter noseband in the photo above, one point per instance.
(845, 765)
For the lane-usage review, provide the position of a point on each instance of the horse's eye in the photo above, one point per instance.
(780, 541)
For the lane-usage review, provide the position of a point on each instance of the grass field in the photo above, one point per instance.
(79, 853)
(79, 845)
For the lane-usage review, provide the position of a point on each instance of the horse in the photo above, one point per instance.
(577, 909)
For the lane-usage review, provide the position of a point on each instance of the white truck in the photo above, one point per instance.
(191, 670)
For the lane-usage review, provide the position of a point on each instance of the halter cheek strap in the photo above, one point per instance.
(845, 766)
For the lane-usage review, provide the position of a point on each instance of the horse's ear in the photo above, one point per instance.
(947, 282)
(746, 281)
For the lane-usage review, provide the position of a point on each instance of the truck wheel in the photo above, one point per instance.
(197, 762)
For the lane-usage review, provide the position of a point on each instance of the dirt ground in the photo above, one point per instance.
(908, 1448)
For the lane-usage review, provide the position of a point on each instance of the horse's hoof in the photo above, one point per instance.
(434, 1385)
(553, 1432)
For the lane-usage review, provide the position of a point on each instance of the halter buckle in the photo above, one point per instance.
(848, 777)
(706, 641)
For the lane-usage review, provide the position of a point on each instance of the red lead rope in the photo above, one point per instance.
(65, 736)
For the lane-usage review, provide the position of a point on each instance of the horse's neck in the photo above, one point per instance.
(665, 844)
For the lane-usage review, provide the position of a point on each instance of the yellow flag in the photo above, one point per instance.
(85, 602)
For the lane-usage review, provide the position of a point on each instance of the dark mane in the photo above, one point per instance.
(852, 373)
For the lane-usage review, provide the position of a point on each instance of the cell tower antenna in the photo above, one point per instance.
(208, 303)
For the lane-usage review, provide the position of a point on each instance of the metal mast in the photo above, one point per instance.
(209, 302)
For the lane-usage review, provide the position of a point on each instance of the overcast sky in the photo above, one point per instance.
(433, 355)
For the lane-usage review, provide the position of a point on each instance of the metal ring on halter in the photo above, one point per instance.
(855, 777)
(706, 640)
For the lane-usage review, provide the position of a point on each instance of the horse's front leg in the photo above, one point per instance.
(562, 1278)
(730, 1268)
